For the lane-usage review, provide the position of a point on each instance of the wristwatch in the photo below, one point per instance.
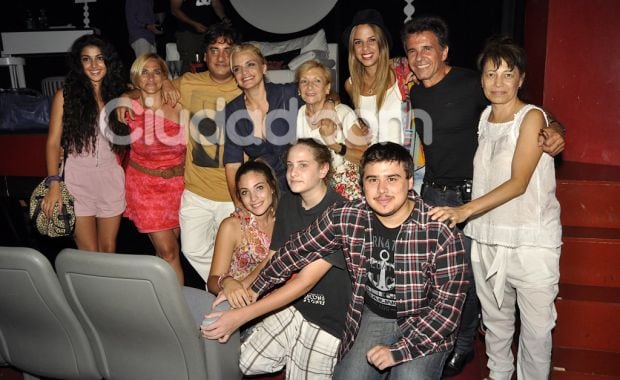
(343, 150)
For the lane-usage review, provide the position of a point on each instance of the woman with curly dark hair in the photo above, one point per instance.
(79, 125)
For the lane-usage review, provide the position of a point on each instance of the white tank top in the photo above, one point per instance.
(531, 219)
(387, 124)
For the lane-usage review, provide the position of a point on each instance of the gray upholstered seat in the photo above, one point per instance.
(39, 333)
(138, 320)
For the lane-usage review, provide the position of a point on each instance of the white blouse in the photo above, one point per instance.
(531, 219)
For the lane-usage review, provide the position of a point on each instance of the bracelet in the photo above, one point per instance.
(221, 279)
(52, 178)
(343, 150)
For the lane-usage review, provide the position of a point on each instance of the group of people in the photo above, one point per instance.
(334, 234)
(192, 20)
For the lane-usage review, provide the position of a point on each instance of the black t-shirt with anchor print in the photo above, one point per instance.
(380, 295)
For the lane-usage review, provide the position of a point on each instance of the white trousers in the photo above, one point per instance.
(530, 279)
(200, 219)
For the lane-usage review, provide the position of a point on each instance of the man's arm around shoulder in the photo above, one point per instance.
(316, 241)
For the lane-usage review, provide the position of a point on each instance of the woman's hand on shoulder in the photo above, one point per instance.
(454, 215)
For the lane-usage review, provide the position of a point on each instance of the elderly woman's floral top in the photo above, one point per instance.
(254, 248)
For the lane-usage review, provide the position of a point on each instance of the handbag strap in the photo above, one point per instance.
(61, 171)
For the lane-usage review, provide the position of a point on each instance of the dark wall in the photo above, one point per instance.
(471, 23)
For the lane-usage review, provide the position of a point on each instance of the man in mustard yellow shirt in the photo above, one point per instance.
(206, 200)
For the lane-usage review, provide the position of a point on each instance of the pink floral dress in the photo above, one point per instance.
(254, 248)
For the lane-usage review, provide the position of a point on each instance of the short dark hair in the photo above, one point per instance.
(219, 30)
(500, 48)
(387, 151)
(259, 166)
(433, 24)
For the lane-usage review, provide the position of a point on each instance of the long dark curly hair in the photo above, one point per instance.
(81, 112)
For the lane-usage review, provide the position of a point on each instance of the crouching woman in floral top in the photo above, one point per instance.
(242, 241)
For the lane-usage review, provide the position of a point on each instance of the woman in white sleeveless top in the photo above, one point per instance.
(514, 220)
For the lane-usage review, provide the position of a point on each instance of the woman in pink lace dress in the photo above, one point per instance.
(154, 174)
(243, 239)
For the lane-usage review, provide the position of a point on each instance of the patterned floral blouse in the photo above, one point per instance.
(254, 248)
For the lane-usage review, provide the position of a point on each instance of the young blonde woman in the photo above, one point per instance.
(92, 170)
(154, 173)
(251, 127)
(343, 137)
(305, 336)
(379, 86)
(242, 241)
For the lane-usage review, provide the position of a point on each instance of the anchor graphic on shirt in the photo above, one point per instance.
(383, 281)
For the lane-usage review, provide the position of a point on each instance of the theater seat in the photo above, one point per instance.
(138, 319)
(39, 333)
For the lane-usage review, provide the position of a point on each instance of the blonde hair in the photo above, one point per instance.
(140, 62)
(384, 78)
(313, 64)
(247, 47)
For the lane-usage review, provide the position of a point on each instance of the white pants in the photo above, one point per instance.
(142, 46)
(200, 219)
(531, 280)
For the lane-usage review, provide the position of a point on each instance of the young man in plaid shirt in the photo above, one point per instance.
(407, 272)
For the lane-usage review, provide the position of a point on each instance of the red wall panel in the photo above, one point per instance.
(535, 44)
(582, 77)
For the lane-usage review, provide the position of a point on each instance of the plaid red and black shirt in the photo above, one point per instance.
(429, 264)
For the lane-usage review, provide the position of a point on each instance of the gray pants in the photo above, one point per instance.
(222, 359)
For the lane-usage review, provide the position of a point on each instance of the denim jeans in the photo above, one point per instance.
(376, 330)
(471, 309)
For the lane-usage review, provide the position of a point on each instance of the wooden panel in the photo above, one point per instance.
(589, 204)
(586, 361)
(587, 325)
(590, 256)
(580, 32)
(557, 375)
(23, 154)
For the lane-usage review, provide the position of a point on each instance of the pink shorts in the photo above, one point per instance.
(98, 190)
